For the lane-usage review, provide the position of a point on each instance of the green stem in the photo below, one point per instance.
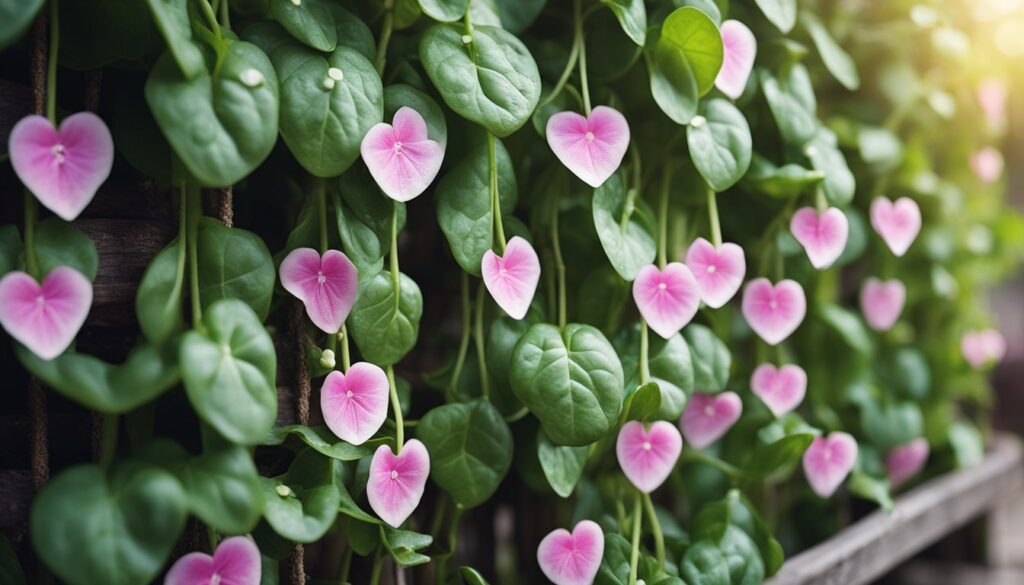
(346, 566)
(395, 274)
(569, 66)
(211, 538)
(225, 16)
(467, 319)
(453, 527)
(634, 556)
(695, 456)
(211, 17)
(194, 212)
(378, 564)
(716, 228)
(478, 336)
(492, 163)
(31, 213)
(346, 358)
(51, 64)
(467, 31)
(666, 182)
(559, 263)
(108, 441)
(659, 538)
(320, 194)
(385, 36)
(517, 415)
(179, 281)
(396, 407)
(578, 38)
(645, 367)
(820, 200)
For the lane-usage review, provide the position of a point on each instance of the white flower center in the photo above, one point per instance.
(40, 299)
(774, 304)
(348, 393)
(58, 153)
(394, 474)
(590, 136)
(647, 446)
(503, 271)
(709, 410)
(662, 286)
(398, 146)
(215, 579)
(320, 278)
(251, 77)
(712, 269)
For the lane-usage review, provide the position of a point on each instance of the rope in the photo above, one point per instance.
(298, 576)
(93, 85)
(298, 566)
(225, 206)
(39, 65)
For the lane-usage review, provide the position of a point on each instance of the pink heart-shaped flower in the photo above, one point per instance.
(648, 455)
(719, 271)
(987, 164)
(898, 223)
(781, 389)
(62, 167)
(774, 312)
(235, 562)
(396, 482)
(709, 416)
(828, 461)
(512, 279)
(355, 403)
(740, 49)
(992, 94)
(905, 461)
(668, 299)
(591, 147)
(326, 286)
(881, 301)
(400, 156)
(983, 347)
(823, 235)
(572, 559)
(45, 318)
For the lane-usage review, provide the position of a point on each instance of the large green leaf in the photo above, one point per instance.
(15, 16)
(171, 17)
(693, 33)
(562, 465)
(230, 378)
(159, 297)
(792, 103)
(309, 21)
(118, 530)
(385, 325)
(302, 504)
(624, 226)
(492, 81)
(234, 263)
(571, 379)
(673, 84)
(717, 519)
(464, 204)
(720, 143)
(444, 10)
(470, 449)
(222, 125)
(781, 13)
(711, 359)
(836, 60)
(632, 16)
(114, 389)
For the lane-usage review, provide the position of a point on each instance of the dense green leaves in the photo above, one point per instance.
(464, 204)
(470, 449)
(624, 225)
(221, 124)
(385, 322)
(492, 81)
(693, 33)
(571, 379)
(234, 263)
(363, 218)
(303, 503)
(230, 373)
(133, 516)
(720, 143)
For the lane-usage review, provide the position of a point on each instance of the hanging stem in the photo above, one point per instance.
(396, 406)
(821, 202)
(346, 566)
(659, 538)
(578, 39)
(378, 564)
(31, 212)
(574, 54)
(192, 216)
(385, 36)
(478, 336)
(346, 359)
(695, 456)
(645, 367)
(320, 194)
(716, 228)
(453, 529)
(492, 163)
(108, 441)
(634, 557)
(211, 17)
(467, 316)
(467, 31)
(395, 274)
(559, 264)
(51, 65)
(225, 16)
(666, 182)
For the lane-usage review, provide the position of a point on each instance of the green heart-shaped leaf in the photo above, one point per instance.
(781, 13)
(711, 359)
(309, 21)
(302, 504)
(720, 144)
(692, 32)
(624, 226)
(158, 300)
(171, 17)
(562, 465)
(383, 325)
(59, 244)
(234, 263)
(632, 16)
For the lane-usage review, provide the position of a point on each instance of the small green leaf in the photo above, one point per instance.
(363, 218)
(720, 143)
(711, 359)
(673, 84)
(321, 439)
(643, 402)
(383, 325)
(59, 244)
(15, 16)
(444, 10)
(158, 300)
(562, 465)
(302, 504)
(792, 103)
(171, 17)
(632, 16)
(836, 60)
(671, 367)
(781, 13)
(871, 488)
(790, 180)
(825, 156)
(234, 263)
(689, 30)
(309, 21)
(624, 226)
(404, 545)
(470, 576)
(767, 459)
(230, 378)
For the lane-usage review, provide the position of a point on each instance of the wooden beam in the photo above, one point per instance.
(873, 546)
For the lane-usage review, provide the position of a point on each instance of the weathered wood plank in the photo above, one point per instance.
(873, 546)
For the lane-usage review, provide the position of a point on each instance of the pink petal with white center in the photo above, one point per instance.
(512, 279)
(984, 347)
(719, 271)
(396, 482)
(45, 318)
(591, 147)
(881, 301)
(355, 403)
(781, 389)
(823, 235)
(648, 455)
(402, 159)
(709, 416)
(572, 559)
(905, 461)
(898, 223)
(62, 167)
(774, 312)
(828, 461)
(987, 164)
(668, 299)
(740, 49)
(326, 286)
(235, 562)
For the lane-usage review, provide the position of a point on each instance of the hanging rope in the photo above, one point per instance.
(93, 86)
(225, 206)
(303, 390)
